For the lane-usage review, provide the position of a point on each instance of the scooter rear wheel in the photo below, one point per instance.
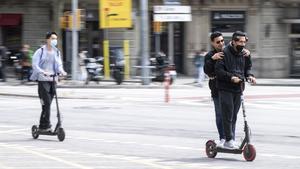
(249, 152)
(211, 149)
(34, 132)
(61, 134)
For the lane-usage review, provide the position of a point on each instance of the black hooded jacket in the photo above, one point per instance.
(209, 69)
(233, 64)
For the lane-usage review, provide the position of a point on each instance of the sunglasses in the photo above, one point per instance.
(218, 42)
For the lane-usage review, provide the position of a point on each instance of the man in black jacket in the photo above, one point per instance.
(231, 71)
(217, 42)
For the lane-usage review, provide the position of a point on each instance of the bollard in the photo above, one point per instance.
(167, 81)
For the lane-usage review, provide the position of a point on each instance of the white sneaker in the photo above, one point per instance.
(230, 145)
(221, 143)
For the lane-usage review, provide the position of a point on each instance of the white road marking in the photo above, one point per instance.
(280, 156)
(12, 131)
(194, 103)
(5, 166)
(133, 159)
(21, 148)
(8, 126)
(271, 106)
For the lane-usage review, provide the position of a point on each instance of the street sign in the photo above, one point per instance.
(172, 17)
(171, 9)
(115, 13)
(172, 2)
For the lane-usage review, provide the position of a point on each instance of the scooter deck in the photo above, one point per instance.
(49, 133)
(226, 150)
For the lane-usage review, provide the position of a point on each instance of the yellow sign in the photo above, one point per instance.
(115, 14)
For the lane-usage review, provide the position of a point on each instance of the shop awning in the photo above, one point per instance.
(10, 19)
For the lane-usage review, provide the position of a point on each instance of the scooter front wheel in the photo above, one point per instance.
(61, 134)
(34, 132)
(211, 149)
(249, 152)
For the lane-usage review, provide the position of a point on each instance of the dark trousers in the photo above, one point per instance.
(230, 105)
(46, 94)
(219, 121)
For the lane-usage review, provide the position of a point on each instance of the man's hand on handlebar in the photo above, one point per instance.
(252, 80)
(63, 73)
(236, 79)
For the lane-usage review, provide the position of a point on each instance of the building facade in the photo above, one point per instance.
(273, 28)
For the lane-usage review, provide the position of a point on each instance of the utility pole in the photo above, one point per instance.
(74, 41)
(144, 39)
(171, 42)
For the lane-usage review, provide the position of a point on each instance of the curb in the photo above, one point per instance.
(278, 85)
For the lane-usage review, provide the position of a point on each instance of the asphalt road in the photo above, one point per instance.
(136, 129)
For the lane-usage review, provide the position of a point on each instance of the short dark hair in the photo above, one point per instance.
(237, 34)
(49, 34)
(215, 35)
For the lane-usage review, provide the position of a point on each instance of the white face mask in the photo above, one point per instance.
(53, 42)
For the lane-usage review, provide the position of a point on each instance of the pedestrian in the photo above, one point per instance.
(199, 63)
(217, 43)
(3, 58)
(231, 72)
(25, 62)
(82, 59)
(47, 61)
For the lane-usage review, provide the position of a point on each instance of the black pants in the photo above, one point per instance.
(230, 105)
(219, 118)
(46, 94)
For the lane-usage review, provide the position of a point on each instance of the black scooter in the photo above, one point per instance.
(59, 131)
(246, 148)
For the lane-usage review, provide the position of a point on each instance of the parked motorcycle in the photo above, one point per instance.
(94, 68)
(162, 68)
(117, 65)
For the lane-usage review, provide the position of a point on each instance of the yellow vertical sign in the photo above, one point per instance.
(106, 59)
(115, 13)
(127, 59)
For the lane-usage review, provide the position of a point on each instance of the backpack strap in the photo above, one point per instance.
(41, 53)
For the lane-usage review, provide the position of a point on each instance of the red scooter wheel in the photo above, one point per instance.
(211, 149)
(249, 152)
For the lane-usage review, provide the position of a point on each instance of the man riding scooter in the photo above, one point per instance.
(230, 71)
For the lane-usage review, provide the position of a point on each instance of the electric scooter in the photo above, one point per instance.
(246, 147)
(59, 131)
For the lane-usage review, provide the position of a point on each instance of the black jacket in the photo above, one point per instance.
(232, 64)
(209, 69)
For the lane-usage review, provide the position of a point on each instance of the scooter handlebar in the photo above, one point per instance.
(54, 75)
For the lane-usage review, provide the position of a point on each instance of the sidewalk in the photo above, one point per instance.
(182, 81)
(15, 88)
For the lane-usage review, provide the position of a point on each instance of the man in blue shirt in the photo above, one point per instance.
(46, 61)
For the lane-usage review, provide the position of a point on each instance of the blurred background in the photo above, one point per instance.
(273, 27)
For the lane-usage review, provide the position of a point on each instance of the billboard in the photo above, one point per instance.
(115, 14)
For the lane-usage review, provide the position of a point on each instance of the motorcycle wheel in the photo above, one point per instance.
(118, 75)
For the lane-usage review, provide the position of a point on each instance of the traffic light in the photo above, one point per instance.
(66, 21)
(157, 27)
(63, 22)
(80, 14)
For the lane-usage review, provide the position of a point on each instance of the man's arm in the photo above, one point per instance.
(209, 62)
(248, 66)
(60, 65)
(221, 72)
